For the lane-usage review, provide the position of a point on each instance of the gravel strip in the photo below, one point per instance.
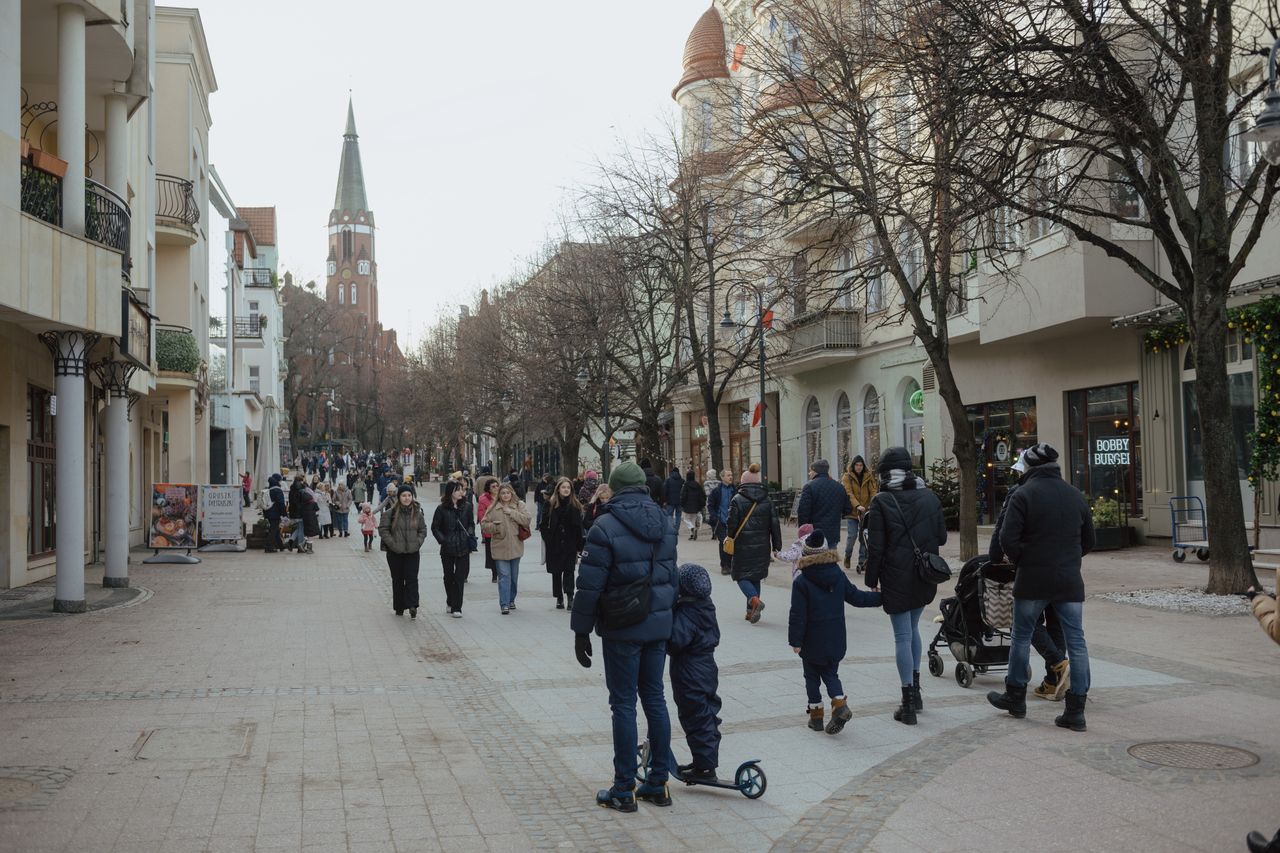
(1183, 599)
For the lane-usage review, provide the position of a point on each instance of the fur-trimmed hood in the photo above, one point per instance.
(819, 559)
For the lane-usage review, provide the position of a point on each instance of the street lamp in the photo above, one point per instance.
(1266, 128)
(727, 322)
(584, 379)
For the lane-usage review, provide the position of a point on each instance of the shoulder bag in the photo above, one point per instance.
(930, 568)
(727, 546)
(472, 544)
(624, 606)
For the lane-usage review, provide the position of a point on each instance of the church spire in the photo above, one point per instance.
(350, 196)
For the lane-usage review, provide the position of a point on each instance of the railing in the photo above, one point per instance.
(106, 221)
(837, 328)
(250, 327)
(256, 278)
(176, 201)
(42, 195)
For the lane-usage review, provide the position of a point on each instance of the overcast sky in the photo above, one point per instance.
(475, 119)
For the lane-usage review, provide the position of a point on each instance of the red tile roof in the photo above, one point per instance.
(262, 222)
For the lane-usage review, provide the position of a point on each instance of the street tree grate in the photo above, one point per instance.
(1193, 755)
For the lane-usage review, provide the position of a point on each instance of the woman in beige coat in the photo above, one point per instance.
(503, 523)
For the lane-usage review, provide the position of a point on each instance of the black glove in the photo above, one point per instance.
(582, 649)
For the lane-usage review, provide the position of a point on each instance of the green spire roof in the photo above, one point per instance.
(350, 196)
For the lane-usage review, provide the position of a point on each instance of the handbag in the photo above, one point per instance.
(473, 544)
(727, 544)
(624, 606)
(930, 568)
(523, 532)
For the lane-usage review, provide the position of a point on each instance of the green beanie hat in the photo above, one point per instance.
(626, 475)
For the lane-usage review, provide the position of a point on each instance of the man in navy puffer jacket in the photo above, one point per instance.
(824, 503)
(631, 542)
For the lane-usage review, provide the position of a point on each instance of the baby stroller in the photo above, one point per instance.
(976, 621)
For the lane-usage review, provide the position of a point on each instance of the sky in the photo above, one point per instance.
(476, 121)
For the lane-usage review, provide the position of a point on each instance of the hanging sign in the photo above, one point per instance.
(220, 512)
(916, 401)
(173, 515)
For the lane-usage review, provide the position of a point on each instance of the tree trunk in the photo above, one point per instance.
(714, 440)
(569, 456)
(649, 446)
(1230, 566)
(966, 454)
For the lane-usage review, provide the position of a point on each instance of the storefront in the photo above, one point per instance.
(1001, 431)
(1104, 427)
(739, 437)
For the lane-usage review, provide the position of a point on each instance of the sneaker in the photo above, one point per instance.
(506, 610)
(457, 614)
(1063, 671)
(559, 604)
(512, 605)
(614, 798)
(658, 794)
(696, 774)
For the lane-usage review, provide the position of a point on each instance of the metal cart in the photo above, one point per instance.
(1190, 532)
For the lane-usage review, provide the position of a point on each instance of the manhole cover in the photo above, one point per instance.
(1193, 755)
(16, 789)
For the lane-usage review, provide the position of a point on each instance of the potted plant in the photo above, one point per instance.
(1109, 529)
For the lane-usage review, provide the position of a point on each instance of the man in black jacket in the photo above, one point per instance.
(274, 513)
(1047, 530)
(652, 481)
(824, 503)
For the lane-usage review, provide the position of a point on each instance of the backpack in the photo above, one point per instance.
(264, 499)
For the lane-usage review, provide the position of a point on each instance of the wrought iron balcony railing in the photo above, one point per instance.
(256, 278)
(249, 327)
(837, 328)
(106, 221)
(176, 201)
(41, 195)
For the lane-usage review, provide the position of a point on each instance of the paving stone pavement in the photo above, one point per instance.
(258, 702)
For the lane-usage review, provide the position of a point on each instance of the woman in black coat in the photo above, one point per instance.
(563, 536)
(692, 501)
(904, 510)
(453, 526)
(757, 533)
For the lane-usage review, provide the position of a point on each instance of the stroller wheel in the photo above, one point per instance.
(964, 675)
(935, 665)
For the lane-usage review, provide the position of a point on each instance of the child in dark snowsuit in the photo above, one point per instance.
(816, 629)
(694, 677)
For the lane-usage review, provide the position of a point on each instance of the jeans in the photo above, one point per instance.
(1070, 614)
(508, 575)
(1047, 638)
(404, 580)
(751, 589)
(341, 520)
(299, 535)
(456, 570)
(632, 669)
(827, 673)
(851, 526)
(906, 644)
(674, 512)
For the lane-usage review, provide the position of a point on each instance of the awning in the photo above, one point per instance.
(1168, 313)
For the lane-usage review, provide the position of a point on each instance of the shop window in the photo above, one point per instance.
(871, 427)
(1242, 416)
(1001, 430)
(42, 455)
(1105, 443)
(812, 431)
(844, 431)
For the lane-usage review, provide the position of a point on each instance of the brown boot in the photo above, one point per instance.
(815, 719)
(847, 561)
(840, 714)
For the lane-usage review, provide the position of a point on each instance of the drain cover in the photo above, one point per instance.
(16, 789)
(1193, 755)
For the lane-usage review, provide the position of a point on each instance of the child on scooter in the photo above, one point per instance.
(694, 677)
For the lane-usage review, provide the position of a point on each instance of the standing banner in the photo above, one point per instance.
(220, 512)
(174, 509)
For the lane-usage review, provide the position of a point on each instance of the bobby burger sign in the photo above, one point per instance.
(1113, 450)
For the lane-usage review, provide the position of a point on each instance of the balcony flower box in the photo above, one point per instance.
(46, 162)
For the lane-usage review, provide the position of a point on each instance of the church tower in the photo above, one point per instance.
(352, 268)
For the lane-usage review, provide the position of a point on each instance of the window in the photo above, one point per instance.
(871, 427)
(795, 56)
(800, 284)
(362, 267)
(1004, 228)
(1104, 426)
(875, 280)
(42, 456)
(707, 116)
(1046, 188)
(905, 125)
(1125, 200)
(255, 384)
(253, 312)
(812, 431)
(844, 431)
(330, 355)
(353, 293)
(844, 280)
(342, 294)
(348, 243)
(1239, 155)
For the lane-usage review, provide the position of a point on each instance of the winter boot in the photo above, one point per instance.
(1013, 700)
(624, 800)
(559, 602)
(1258, 843)
(569, 601)
(753, 609)
(840, 714)
(906, 713)
(815, 718)
(1063, 673)
(848, 559)
(1074, 717)
(657, 794)
(917, 704)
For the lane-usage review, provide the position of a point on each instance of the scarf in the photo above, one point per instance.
(896, 480)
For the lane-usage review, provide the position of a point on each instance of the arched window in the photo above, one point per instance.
(871, 427)
(812, 431)
(353, 293)
(844, 431)
(342, 294)
(348, 244)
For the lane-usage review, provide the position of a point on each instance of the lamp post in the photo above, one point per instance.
(584, 379)
(505, 403)
(1266, 128)
(727, 322)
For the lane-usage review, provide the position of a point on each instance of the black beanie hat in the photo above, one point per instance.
(1041, 454)
(895, 458)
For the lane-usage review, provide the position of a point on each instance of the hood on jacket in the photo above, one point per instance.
(640, 515)
(821, 569)
(753, 491)
(1045, 470)
(674, 476)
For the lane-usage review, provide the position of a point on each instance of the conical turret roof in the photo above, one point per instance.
(350, 196)
(704, 51)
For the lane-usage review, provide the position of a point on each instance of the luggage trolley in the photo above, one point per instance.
(1190, 532)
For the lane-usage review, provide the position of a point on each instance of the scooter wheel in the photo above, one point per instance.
(751, 781)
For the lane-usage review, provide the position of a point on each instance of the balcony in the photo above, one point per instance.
(257, 278)
(249, 331)
(178, 359)
(106, 221)
(177, 213)
(820, 340)
(42, 195)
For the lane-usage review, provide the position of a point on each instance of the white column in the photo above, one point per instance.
(10, 93)
(71, 118)
(117, 145)
(69, 350)
(116, 426)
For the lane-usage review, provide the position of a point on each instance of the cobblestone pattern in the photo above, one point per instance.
(49, 781)
(1115, 760)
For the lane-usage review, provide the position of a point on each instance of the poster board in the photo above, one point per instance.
(174, 508)
(220, 512)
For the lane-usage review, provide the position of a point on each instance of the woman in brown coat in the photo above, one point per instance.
(861, 485)
(503, 523)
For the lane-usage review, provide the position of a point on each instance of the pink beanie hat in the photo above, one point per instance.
(750, 477)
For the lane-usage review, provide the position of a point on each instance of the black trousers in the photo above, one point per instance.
(273, 533)
(456, 570)
(721, 531)
(488, 559)
(562, 582)
(404, 580)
